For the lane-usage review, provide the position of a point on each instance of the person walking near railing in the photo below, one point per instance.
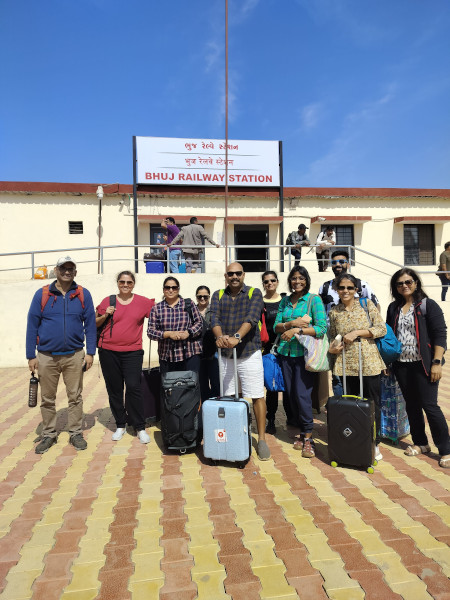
(297, 239)
(193, 236)
(444, 265)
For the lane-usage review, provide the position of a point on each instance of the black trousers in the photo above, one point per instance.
(445, 283)
(422, 396)
(371, 391)
(119, 369)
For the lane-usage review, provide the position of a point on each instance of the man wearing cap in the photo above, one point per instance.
(297, 239)
(61, 316)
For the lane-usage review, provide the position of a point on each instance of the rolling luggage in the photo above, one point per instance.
(351, 427)
(150, 390)
(227, 424)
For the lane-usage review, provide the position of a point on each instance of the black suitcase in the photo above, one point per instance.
(180, 410)
(351, 427)
(151, 392)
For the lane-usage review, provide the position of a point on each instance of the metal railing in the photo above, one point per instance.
(288, 259)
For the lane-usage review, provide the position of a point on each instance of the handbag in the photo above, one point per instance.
(316, 349)
(263, 333)
(388, 346)
(273, 376)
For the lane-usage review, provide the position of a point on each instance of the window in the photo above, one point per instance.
(76, 227)
(344, 237)
(419, 247)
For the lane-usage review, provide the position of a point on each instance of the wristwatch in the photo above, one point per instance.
(436, 361)
(238, 337)
(300, 331)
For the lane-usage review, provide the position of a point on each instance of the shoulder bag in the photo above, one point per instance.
(316, 349)
(388, 346)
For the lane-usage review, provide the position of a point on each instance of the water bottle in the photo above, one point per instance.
(33, 391)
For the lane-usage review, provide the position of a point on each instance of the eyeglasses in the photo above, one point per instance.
(237, 273)
(350, 288)
(67, 269)
(171, 287)
(121, 282)
(266, 281)
(298, 279)
(200, 297)
(407, 282)
(340, 261)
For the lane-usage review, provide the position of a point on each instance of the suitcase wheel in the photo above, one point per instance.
(241, 465)
(370, 470)
(375, 462)
(334, 463)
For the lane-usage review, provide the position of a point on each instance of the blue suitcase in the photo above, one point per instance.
(154, 266)
(227, 425)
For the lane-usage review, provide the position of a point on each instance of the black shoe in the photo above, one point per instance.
(45, 444)
(271, 426)
(78, 441)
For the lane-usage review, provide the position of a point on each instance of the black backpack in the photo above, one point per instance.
(101, 331)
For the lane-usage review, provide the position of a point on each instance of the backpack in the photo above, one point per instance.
(261, 324)
(388, 346)
(46, 293)
(101, 330)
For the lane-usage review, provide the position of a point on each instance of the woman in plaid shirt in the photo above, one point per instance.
(292, 318)
(179, 335)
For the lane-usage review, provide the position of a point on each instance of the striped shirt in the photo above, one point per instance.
(286, 312)
(230, 314)
(164, 317)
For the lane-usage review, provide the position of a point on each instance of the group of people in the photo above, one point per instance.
(192, 238)
(296, 240)
(189, 335)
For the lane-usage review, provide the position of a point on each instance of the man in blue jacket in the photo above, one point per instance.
(61, 315)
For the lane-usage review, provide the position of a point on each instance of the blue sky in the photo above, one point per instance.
(357, 90)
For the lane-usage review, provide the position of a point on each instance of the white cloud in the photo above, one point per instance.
(311, 115)
(239, 11)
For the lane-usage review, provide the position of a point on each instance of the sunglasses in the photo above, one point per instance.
(340, 261)
(237, 273)
(200, 297)
(171, 287)
(350, 288)
(266, 281)
(66, 269)
(121, 282)
(407, 282)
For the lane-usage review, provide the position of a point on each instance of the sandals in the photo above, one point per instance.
(416, 450)
(445, 462)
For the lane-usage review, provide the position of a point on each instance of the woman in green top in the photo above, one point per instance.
(292, 318)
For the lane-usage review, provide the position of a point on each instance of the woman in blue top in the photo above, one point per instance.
(291, 319)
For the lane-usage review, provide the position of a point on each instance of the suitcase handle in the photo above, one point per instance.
(236, 394)
(344, 376)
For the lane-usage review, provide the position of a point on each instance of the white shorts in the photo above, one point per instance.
(250, 374)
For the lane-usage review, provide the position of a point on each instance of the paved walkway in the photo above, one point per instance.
(122, 520)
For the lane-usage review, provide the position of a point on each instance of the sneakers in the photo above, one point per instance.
(270, 428)
(78, 441)
(308, 450)
(118, 434)
(378, 455)
(263, 450)
(45, 444)
(143, 436)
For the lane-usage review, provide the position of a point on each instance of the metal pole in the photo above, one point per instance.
(280, 145)
(99, 232)
(225, 224)
(135, 207)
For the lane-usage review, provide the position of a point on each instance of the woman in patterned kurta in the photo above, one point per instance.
(350, 320)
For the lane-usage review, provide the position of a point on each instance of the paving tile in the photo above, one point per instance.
(244, 591)
(142, 590)
(309, 586)
(231, 544)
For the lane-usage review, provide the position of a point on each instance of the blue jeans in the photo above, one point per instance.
(174, 259)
